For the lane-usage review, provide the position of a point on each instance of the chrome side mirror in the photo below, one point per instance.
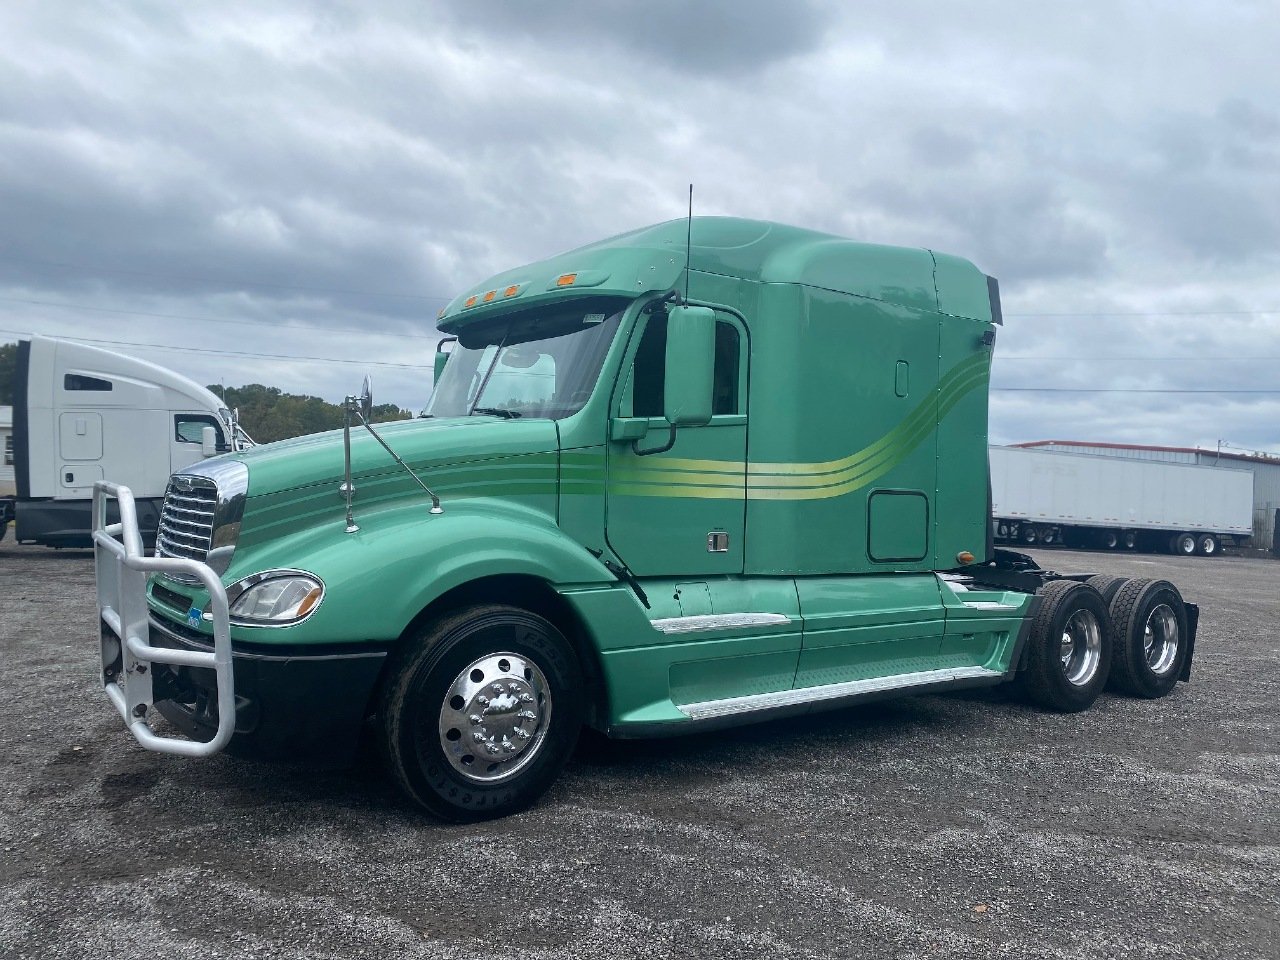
(366, 399)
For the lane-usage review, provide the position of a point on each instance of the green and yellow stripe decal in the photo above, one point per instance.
(723, 479)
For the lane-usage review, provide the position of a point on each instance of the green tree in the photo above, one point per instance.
(268, 413)
(8, 371)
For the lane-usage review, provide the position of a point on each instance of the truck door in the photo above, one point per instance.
(681, 511)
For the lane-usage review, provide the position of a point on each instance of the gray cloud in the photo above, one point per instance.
(311, 179)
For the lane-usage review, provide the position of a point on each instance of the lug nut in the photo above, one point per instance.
(475, 718)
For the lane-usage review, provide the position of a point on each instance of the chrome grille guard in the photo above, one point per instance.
(120, 568)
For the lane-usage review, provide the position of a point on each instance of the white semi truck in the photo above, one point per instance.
(1079, 500)
(80, 414)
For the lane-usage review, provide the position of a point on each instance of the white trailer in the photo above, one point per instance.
(82, 414)
(1041, 496)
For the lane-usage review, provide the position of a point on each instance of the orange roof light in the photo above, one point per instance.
(490, 295)
(471, 302)
(512, 290)
(566, 279)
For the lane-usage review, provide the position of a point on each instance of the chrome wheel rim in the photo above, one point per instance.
(495, 717)
(1081, 648)
(1210, 547)
(1160, 639)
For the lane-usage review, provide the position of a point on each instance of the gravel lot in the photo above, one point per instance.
(938, 826)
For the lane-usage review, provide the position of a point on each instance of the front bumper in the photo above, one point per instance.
(290, 703)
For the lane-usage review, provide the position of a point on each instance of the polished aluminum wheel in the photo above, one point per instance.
(1081, 649)
(1160, 639)
(495, 717)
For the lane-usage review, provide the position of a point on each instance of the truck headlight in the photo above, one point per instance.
(274, 598)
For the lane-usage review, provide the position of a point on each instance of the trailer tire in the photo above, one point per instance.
(1208, 545)
(1030, 534)
(454, 671)
(1149, 619)
(1130, 540)
(1106, 585)
(1183, 544)
(1109, 539)
(1069, 648)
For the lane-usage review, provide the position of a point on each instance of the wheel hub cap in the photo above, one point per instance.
(1160, 639)
(495, 717)
(1081, 648)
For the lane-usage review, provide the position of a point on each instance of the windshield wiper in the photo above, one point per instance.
(497, 412)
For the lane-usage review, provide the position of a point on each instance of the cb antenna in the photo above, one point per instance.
(688, 245)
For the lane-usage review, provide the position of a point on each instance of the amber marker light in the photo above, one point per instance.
(471, 302)
(490, 295)
(511, 291)
(964, 556)
(309, 602)
(566, 279)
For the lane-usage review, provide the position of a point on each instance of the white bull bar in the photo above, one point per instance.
(121, 567)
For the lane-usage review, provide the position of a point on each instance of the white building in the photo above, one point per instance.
(7, 487)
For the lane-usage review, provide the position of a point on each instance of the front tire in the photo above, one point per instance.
(1069, 648)
(1149, 621)
(481, 712)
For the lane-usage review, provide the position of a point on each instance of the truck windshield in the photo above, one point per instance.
(536, 363)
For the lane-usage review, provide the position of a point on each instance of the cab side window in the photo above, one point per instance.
(189, 427)
(648, 374)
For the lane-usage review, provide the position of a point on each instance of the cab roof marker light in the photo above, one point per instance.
(566, 279)
(489, 295)
(470, 302)
(512, 290)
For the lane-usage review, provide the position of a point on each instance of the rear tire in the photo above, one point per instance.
(480, 712)
(1149, 620)
(1130, 540)
(1030, 534)
(1207, 545)
(1069, 648)
(1183, 544)
(1108, 539)
(1106, 585)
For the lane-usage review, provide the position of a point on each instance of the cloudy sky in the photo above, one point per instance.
(287, 193)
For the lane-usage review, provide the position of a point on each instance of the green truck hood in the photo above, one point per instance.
(424, 444)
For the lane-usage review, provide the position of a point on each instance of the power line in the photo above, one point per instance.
(232, 282)
(1134, 359)
(1119, 390)
(179, 316)
(1153, 313)
(245, 355)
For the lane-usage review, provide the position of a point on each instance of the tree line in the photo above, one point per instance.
(267, 413)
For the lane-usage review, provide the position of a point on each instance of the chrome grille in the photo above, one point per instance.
(187, 518)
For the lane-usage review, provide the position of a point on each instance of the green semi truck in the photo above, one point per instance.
(701, 474)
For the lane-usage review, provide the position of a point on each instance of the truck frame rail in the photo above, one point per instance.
(121, 567)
